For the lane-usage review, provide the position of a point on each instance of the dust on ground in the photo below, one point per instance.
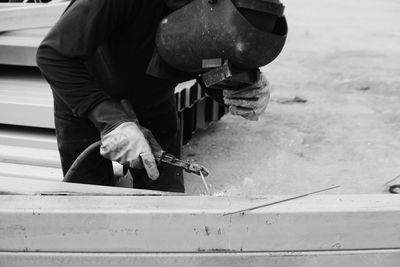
(343, 59)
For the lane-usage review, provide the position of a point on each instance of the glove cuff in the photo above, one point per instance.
(108, 115)
(215, 94)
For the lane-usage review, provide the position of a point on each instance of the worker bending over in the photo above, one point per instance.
(99, 53)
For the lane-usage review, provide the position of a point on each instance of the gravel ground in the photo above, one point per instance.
(343, 58)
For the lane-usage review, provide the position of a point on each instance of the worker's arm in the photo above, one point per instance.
(61, 57)
(71, 42)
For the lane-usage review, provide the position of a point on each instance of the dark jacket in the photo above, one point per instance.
(101, 49)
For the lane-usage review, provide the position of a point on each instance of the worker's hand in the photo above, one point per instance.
(132, 145)
(251, 101)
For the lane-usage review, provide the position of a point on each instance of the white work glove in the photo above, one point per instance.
(131, 145)
(250, 101)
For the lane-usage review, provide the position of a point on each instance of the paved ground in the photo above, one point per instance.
(343, 57)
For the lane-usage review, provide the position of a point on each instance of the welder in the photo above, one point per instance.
(102, 51)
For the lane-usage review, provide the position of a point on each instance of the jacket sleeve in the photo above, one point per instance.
(215, 94)
(73, 39)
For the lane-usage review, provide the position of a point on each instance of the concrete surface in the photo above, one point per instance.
(343, 57)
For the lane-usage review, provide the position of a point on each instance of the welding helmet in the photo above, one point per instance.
(247, 33)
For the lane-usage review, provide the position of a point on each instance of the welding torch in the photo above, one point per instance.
(163, 158)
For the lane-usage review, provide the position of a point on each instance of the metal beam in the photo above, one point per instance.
(354, 258)
(16, 114)
(20, 47)
(191, 224)
(30, 16)
(27, 137)
(31, 172)
(30, 156)
(17, 4)
(21, 186)
(25, 98)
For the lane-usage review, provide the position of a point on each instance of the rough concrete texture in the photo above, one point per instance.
(343, 57)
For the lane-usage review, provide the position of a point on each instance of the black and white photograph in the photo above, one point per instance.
(200, 133)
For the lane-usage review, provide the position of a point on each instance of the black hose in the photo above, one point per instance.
(81, 158)
(96, 145)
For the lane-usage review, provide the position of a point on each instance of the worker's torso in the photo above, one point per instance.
(120, 63)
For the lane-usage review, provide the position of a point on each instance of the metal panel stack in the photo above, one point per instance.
(27, 139)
